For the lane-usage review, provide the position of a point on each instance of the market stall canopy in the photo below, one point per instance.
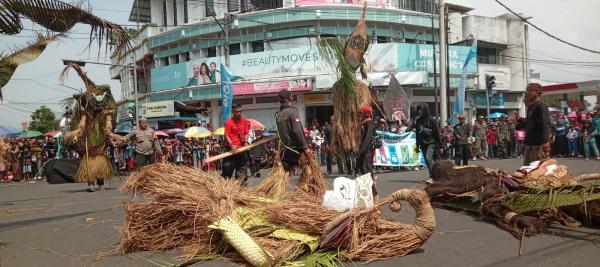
(9, 131)
(496, 115)
(30, 134)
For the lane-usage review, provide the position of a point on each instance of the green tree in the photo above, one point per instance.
(42, 120)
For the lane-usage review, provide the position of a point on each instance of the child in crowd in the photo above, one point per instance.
(572, 137)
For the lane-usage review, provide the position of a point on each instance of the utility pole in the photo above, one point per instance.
(435, 90)
(225, 28)
(443, 63)
(135, 87)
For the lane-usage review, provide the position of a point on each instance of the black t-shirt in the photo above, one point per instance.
(536, 125)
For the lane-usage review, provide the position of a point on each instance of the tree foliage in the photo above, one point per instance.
(42, 120)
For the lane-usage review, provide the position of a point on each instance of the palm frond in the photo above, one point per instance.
(9, 21)
(28, 53)
(332, 52)
(89, 84)
(58, 16)
(542, 199)
(318, 259)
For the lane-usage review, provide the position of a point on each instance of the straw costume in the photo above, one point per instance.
(91, 129)
(208, 216)
(520, 203)
(349, 94)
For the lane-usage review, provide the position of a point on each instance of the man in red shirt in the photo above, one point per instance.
(236, 136)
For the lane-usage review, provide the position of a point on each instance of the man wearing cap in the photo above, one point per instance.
(536, 125)
(290, 131)
(461, 133)
(480, 133)
(146, 144)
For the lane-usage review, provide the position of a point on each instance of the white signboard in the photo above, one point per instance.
(501, 73)
(158, 109)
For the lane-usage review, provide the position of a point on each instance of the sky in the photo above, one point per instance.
(35, 83)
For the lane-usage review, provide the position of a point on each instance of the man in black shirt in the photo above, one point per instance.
(290, 131)
(428, 135)
(536, 125)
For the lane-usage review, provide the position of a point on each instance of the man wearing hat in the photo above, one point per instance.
(536, 125)
(290, 131)
(480, 133)
(461, 133)
(146, 144)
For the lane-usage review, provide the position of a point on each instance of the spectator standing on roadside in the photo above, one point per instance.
(536, 125)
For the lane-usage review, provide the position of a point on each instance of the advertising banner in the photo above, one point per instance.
(410, 62)
(398, 150)
(372, 3)
(272, 87)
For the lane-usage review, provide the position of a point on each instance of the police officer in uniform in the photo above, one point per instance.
(147, 148)
(291, 133)
(480, 132)
(503, 138)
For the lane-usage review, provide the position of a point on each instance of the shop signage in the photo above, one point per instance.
(317, 98)
(272, 87)
(372, 3)
(478, 100)
(158, 109)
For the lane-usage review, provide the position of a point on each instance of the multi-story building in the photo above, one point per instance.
(273, 45)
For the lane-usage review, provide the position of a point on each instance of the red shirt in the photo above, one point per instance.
(237, 131)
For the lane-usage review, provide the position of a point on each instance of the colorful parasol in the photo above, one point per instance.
(9, 131)
(161, 134)
(196, 132)
(30, 134)
(220, 131)
(255, 125)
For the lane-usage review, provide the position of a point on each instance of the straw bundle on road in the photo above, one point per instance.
(311, 178)
(185, 201)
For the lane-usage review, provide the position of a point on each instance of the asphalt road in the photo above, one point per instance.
(62, 225)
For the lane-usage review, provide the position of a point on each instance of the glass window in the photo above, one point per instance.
(235, 49)
(174, 13)
(185, 11)
(210, 8)
(233, 5)
(211, 52)
(164, 10)
(258, 46)
(486, 55)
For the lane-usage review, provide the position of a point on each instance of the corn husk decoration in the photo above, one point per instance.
(204, 214)
(348, 93)
(91, 128)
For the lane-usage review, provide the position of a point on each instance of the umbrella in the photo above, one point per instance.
(496, 115)
(174, 131)
(51, 133)
(554, 110)
(161, 134)
(572, 115)
(219, 131)
(196, 132)
(30, 134)
(58, 135)
(9, 131)
(255, 125)
(123, 129)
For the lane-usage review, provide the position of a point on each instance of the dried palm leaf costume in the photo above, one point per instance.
(205, 215)
(519, 203)
(349, 94)
(91, 128)
(55, 16)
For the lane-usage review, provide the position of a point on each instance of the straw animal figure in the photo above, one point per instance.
(91, 128)
(203, 214)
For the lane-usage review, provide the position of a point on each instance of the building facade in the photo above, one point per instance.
(273, 46)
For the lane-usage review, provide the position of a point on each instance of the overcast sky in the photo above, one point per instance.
(35, 83)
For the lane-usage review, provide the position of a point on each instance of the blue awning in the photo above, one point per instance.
(172, 118)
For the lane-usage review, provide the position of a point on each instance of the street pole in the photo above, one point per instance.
(435, 90)
(135, 88)
(225, 28)
(443, 69)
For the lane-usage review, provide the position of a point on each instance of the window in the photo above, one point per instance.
(256, 5)
(210, 8)
(235, 49)
(211, 52)
(164, 9)
(382, 39)
(174, 13)
(258, 46)
(185, 11)
(233, 6)
(487, 55)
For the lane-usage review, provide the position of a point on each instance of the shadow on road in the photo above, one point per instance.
(12, 202)
(13, 225)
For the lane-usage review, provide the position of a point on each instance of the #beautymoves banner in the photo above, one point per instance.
(226, 92)
(398, 150)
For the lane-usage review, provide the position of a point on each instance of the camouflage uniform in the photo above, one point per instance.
(480, 132)
(502, 139)
(512, 142)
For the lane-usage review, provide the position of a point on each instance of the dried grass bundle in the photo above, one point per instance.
(185, 201)
(274, 185)
(311, 178)
(94, 167)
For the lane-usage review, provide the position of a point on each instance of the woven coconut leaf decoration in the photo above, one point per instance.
(31, 51)
(542, 199)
